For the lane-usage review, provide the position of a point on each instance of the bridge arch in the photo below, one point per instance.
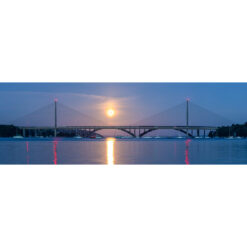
(124, 130)
(141, 134)
(146, 132)
(183, 131)
(180, 130)
(128, 132)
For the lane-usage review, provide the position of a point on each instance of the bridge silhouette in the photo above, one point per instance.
(137, 130)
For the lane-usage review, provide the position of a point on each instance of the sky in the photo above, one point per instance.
(131, 101)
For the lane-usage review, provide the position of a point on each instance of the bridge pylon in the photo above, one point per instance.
(55, 116)
(187, 116)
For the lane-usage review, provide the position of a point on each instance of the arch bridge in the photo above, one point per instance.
(134, 131)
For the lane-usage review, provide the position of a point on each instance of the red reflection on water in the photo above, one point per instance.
(187, 142)
(55, 152)
(27, 148)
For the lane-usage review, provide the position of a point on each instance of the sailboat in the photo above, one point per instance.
(18, 137)
(77, 137)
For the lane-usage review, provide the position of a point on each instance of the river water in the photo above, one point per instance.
(122, 151)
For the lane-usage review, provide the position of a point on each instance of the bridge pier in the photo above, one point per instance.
(198, 132)
(204, 133)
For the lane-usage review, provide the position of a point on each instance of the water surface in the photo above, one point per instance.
(122, 151)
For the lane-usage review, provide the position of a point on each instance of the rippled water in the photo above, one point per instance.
(123, 151)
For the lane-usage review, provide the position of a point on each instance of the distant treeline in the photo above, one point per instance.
(8, 130)
(233, 130)
(11, 130)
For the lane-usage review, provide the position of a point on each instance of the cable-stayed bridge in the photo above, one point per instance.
(57, 118)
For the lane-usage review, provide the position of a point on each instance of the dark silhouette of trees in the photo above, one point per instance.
(233, 130)
(8, 130)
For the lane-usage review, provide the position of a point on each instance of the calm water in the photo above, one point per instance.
(123, 151)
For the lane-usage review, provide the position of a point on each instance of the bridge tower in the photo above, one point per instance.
(187, 115)
(55, 127)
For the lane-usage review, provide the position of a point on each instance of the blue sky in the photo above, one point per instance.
(130, 100)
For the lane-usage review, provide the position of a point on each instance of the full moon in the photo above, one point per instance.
(110, 112)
